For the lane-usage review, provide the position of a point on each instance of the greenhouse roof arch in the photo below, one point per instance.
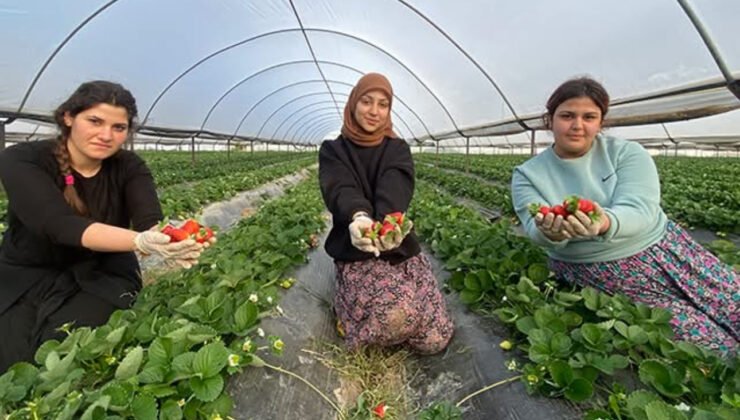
(470, 69)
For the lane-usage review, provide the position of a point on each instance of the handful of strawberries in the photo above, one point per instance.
(391, 221)
(191, 229)
(570, 205)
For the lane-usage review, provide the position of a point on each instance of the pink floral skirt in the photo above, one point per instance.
(677, 274)
(382, 304)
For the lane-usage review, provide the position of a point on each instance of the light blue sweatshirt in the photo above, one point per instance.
(620, 175)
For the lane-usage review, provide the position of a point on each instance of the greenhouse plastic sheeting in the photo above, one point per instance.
(281, 70)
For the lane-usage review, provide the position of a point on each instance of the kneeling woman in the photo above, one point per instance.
(629, 246)
(78, 206)
(386, 293)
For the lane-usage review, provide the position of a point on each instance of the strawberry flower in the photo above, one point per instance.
(234, 360)
(247, 346)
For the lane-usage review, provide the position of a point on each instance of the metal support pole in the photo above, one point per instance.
(2, 135)
(467, 154)
(192, 151)
(532, 148)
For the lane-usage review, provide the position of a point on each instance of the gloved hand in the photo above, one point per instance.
(360, 223)
(552, 227)
(393, 239)
(582, 226)
(184, 253)
(209, 242)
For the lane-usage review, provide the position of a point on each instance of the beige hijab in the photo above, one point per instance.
(351, 130)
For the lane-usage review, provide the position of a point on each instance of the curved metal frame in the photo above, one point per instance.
(472, 60)
(273, 67)
(286, 119)
(317, 134)
(274, 134)
(297, 126)
(321, 128)
(297, 98)
(266, 34)
(732, 83)
(317, 126)
(59, 48)
(303, 117)
(238, 127)
(309, 125)
(313, 55)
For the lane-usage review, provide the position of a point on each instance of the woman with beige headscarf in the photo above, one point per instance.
(386, 293)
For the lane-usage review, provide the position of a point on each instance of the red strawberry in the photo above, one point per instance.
(559, 210)
(574, 203)
(379, 410)
(386, 229)
(544, 210)
(586, 206)
(203, 234)
(190, 226)
(395, 218)
(167, 229)
(177, 235)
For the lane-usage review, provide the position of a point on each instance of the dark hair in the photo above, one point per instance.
(87, 95)
(578, 88)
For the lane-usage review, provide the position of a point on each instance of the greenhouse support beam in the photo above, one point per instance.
(192, 150)
(467, 155)
(532, 147)
(2, 135)
(732, 84)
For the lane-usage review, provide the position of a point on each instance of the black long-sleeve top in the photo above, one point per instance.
(44, 234)
(377, 180)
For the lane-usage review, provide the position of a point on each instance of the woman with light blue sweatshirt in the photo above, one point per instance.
(630, 247)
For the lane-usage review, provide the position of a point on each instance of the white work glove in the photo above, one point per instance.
(360, 223)
(552, 227)
(184, 253)
(580, 225)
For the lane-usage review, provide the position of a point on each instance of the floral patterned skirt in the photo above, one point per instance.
(382, 304)
(677, 274)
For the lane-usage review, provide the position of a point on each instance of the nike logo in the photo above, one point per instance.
(603, 179)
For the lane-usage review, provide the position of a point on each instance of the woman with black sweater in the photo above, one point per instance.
(78, 206)
(386, 293)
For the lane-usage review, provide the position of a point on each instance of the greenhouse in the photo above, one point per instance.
(237, 102)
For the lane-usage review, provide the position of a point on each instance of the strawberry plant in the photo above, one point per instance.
(168, 356)
(576, 340)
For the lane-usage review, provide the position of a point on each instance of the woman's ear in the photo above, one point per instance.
(68, 119)
(546, 120)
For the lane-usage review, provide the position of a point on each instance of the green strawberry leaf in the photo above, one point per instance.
(207, 389)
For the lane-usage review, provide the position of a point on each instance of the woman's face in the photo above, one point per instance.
(97, 133)
(372, 110)
(575, 124)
